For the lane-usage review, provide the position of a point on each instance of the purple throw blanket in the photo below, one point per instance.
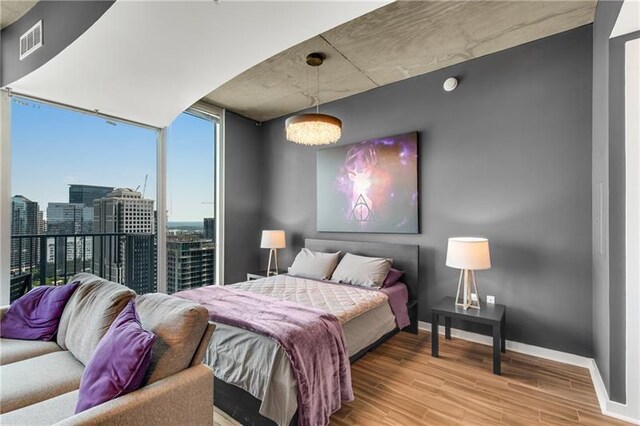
(312, 339)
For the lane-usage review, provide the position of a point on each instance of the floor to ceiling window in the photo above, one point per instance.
(83, 198)
(191, 237)
(86, 192)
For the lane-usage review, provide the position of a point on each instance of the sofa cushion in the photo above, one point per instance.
(38, 379)
(89, 314)
(14, 350)
(43, 413)
(179, 325)
(119, 363)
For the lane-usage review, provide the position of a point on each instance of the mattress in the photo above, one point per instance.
(260, 366)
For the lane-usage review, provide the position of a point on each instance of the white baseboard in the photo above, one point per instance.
(608, 407)
(522, 348)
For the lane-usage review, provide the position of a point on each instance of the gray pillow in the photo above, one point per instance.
(361, 270)
(89, 314)
(313, 264)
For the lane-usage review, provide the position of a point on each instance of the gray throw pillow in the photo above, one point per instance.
(313, 264)
(89, 314)
(361, 270)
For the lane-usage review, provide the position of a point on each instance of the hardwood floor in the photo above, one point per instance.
(220, 418)
(399, 383)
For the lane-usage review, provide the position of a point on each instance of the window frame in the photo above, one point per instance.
(217, 114)
(214, 114)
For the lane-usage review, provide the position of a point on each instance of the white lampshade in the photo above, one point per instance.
(468, 253)
(273, 239)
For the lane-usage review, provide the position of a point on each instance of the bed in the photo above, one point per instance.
(255, 383)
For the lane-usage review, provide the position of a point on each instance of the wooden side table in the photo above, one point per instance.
(493, 315)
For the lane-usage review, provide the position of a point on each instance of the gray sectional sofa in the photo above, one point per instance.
(39, 381)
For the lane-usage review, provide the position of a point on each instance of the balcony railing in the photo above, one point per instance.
(129, 259)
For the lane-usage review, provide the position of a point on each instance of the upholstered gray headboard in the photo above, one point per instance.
(405, 257)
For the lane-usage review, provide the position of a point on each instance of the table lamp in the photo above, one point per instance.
(469, 255)
(273, 240)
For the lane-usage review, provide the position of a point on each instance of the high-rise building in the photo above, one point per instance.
(67, 218)
(209, 228)
(87, 220)
(87, 194)
(69, 248)
(190, 262)
(24, 221)
(42, 224)
(128, 259)
(123, 210)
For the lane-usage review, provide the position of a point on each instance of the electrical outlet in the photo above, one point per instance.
(491, 299)
(474, 297)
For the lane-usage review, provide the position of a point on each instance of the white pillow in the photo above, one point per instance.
(361, 270)
(313, 264)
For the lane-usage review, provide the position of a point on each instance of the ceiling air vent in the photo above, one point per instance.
(31, 40)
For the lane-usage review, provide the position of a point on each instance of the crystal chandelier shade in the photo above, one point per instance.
(316, 128)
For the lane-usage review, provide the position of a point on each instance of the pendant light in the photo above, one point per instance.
(314, 128)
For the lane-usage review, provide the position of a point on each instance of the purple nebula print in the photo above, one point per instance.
(370, 186)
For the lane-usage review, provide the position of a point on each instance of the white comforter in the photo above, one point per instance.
(344, 301)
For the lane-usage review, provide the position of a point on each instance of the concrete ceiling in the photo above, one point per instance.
(11, 11)
(393, 43)
(148, 61)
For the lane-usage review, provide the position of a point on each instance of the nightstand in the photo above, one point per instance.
(258, 274)
(493, 315)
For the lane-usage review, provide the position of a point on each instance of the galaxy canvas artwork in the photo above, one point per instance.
(370, 186)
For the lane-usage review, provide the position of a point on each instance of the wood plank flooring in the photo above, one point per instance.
(399, 383)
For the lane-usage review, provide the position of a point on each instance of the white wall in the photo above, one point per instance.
(632, 145)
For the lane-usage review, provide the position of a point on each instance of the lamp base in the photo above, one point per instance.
(273, 253)
(469, 278)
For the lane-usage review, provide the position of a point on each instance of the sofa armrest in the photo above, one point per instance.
(3, 310)
(202, 349)
(184, 398)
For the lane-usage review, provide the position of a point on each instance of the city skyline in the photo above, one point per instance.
(119, 155)
(42, 209)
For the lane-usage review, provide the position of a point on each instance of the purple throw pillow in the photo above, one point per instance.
(36, 315)
(392, 277)
(119, 362)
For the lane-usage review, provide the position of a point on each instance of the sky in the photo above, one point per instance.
(53, 147)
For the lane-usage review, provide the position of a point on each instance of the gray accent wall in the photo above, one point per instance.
(62, 21)
(608, 343)
(243, 196)
(507, 156)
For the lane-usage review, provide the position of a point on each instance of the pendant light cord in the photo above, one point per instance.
(308, 87)
(318, 92)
